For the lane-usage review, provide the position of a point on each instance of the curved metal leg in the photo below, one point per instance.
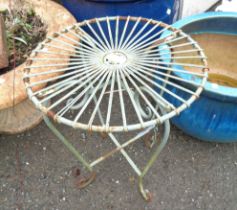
(83, 182)
(86, 180)
(145, 193)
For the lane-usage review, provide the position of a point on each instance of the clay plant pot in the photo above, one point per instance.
(17, 113)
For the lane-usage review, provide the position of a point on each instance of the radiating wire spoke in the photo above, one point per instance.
(158, 52)
(164, 41)
(130, 93)
(74, 51)
(192, 82)
(124, 32)
(90, 98)
(158, 98)
(107, 45)
(121, 99)
(148, 61)
(59, 48)
(66, 55)
(116, 32)
(84, 48)
(155, 47)
(85, 90)
(138, 34)
(72, 91)
(111, 95)
(57, 85)
(88, 48)
(182, 52)
(58, 59)
(53, 65)
(52, 92)
(58, 77)
(110, 33)
(156, 66)
(143, 44)
(148, 103)
(131, 46)
(131, 33)
(99, 99)
(81, 36)
(86, 39)
(175, 58)
(101, 43)
(71, 84)
(160, 87)
(90, 37)
(51, 71)
(167, 81)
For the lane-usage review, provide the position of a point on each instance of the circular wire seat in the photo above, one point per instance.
(119, 67)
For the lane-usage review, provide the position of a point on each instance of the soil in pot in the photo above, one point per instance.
(220, 50)
(24, 30)
(222, 57)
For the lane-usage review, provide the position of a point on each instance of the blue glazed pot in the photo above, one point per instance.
(167, 11)
(213, 117)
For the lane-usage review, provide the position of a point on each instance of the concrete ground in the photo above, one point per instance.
(38, 173)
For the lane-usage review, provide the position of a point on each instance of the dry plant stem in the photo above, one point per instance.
(14, 67)
(3, 45)
(14, 75)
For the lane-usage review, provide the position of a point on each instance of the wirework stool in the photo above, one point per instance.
(118, 65)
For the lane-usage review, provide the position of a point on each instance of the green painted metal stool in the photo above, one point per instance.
(118, 65)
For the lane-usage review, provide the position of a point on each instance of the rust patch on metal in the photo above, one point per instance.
(149, 197)
(206, 69)
(104, 135)
(51, 114)
(84, 181)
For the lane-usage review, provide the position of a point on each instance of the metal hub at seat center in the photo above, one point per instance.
(115, 58)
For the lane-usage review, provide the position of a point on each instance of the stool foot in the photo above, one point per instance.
(85, 181)
(144, 192)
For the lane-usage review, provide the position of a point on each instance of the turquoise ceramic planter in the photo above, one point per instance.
(213, 117)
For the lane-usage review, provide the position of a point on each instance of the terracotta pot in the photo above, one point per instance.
(56, 18)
